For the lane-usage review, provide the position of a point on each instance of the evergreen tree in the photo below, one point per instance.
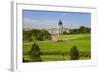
(74, 53)
(35, 53)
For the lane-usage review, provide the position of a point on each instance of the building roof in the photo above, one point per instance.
(60, 22)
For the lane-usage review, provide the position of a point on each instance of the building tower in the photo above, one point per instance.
(60, 27)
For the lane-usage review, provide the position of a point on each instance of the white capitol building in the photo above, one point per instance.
(58, 30)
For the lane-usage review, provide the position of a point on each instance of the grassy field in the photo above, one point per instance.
(82, 43)
(63, 37)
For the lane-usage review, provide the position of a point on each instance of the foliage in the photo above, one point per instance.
(37, 34)
(74, 53)
(80, 30)
(27, 35)
(83, 29)
(43, 35)
(35, 53)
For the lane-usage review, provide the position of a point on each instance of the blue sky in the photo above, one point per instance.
(49, 19)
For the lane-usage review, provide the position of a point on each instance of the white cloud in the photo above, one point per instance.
(30, 23)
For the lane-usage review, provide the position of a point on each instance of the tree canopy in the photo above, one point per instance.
(37, 34)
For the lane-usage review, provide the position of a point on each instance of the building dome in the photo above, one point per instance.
(60, 23)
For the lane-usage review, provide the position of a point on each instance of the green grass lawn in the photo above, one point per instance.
(83, 44)
(64, 37)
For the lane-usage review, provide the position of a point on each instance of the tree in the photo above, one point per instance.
(27, 35)
(46, 35)
(36, 34)
(39, 37)
(35, 53)
(84, 29)
(74, 53)
(43, 35)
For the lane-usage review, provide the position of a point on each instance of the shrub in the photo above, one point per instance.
(35, 53)
(74, 53)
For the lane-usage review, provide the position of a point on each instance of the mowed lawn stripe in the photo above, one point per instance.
(83, 44)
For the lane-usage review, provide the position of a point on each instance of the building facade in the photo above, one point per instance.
(59, 30)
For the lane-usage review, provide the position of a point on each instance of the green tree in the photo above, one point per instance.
(74, 53)
(84, 29)
(35, 53)
(36, 34)
(45, 34)
(27, 35)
